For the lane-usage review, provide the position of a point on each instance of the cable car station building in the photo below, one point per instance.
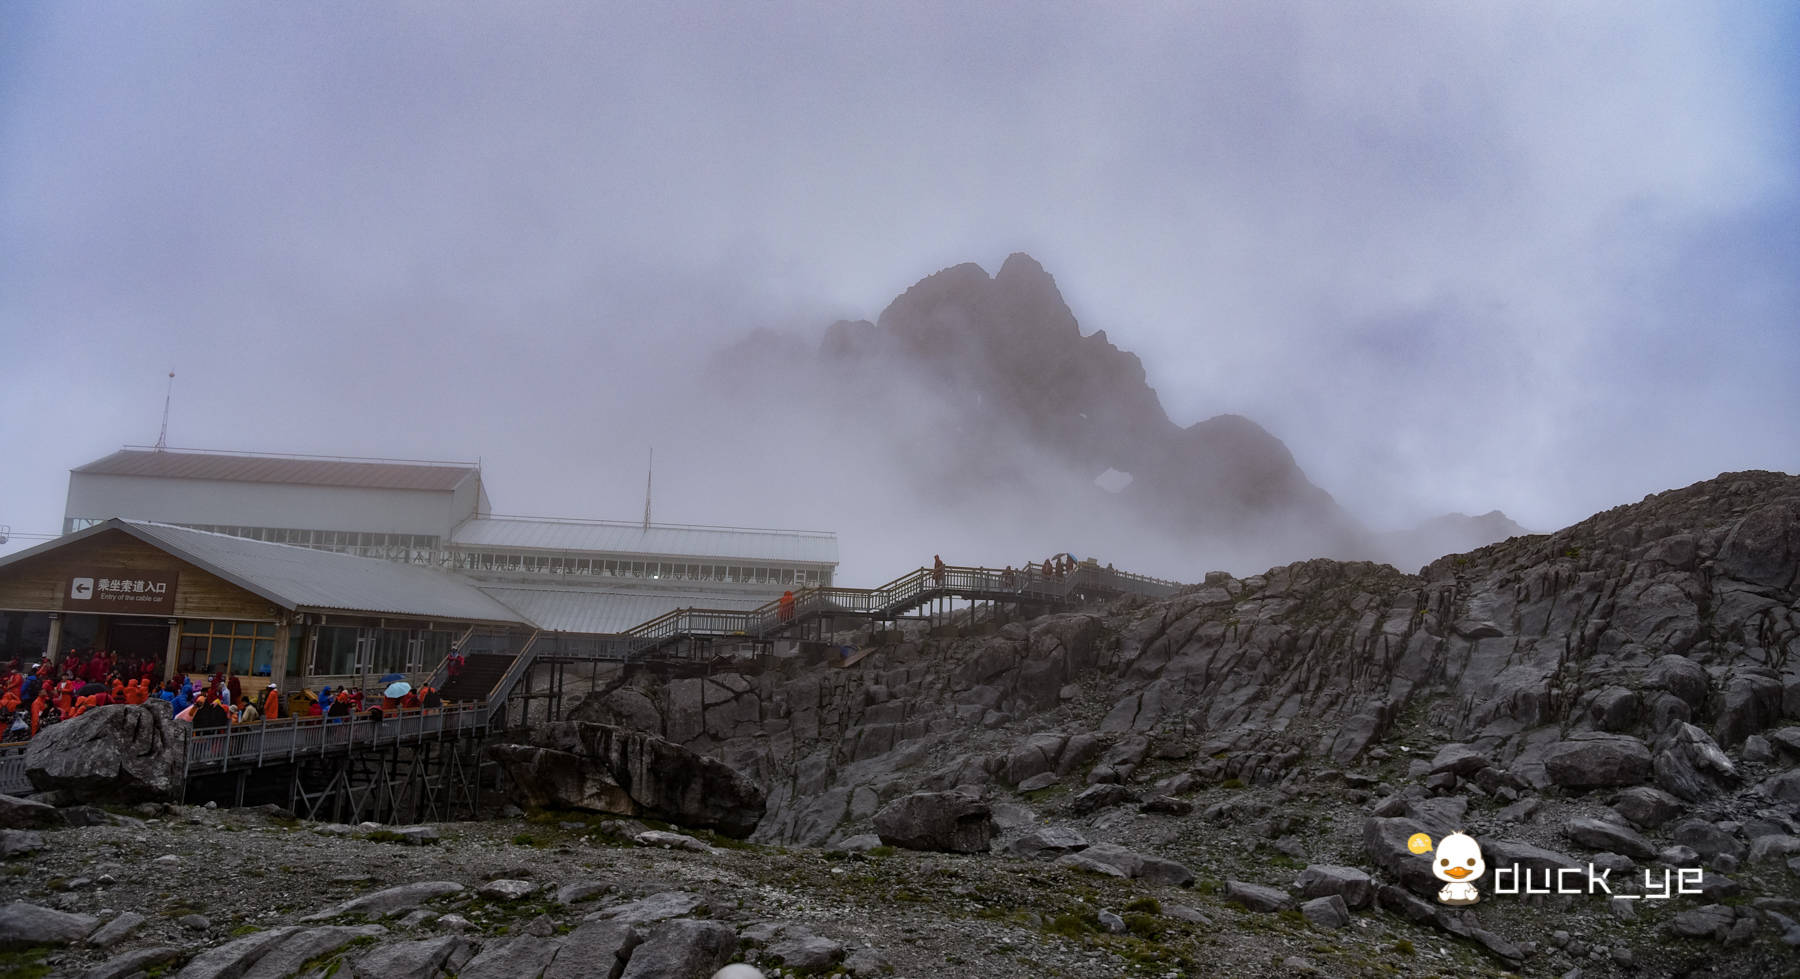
(311, 570)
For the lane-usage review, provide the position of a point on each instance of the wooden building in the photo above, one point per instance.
(198, 603)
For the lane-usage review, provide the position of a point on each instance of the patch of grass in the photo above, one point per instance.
(242, 930)
(24, 963)
(882, 851)
(1145, 925)
(1209, 886)
(526, 839)
(383, 836)
(1145, 905)
(1232, 783)
(1073, 925)
(1403, 947)
(1291, 916)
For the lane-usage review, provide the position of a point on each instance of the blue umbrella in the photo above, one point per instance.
(397, 690)
(391, 677)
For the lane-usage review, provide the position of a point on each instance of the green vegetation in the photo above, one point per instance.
(882, 851)
(24, 963)
(1146, 905)
(1232, 783)
(1404, 947)
(526, 839)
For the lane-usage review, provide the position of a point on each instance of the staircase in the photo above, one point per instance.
(480, 673)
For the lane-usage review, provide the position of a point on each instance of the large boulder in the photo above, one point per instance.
(1588, 761)
(1752, 702)
(603, 768)
(1598, 834)
(946, 821)
(121, 753)
(1691, 766)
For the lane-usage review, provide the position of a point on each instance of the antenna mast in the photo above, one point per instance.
(647, 475)
(162, 437)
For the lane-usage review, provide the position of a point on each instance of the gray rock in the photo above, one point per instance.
(1751, 703)
(1692, 767)
(578, 891)
(1718, 887)
(681, 949)
(403, 897)
(1586, 761)
(1256, 897)
(506, 890)
(1678, 856)
(521, 958)
(19, 842)
(1773, 847)
(1327, 912)
(27, 924)
(232, 959)
(1757, 750)
(1784, 788)
(595, 949)
(1042, 780)
(194, 922)
(806, 952)
(283, 958)
(603, 768)
(1706, 839)
(1414, 909)
(1519, 812)
(1597, 834)
(1614, 709)
(1168, 805)
(1048, 843)
(418, 835)
(656, 907)
(453, 923)
(1647, 807)
(867, 961)
(1104, 858)
(17, 813)
(1710, 921)
(944, 821)
(135, 962)
(1384, 840)
(673, 841)
(1680, 676)
(1458, 759)
(861, 843)
(1111, 923)
(1098, 797)
(120, 753)
(422, 959)
(115, 931)
(1157, 870)
(1326, 880)
(1182, 912)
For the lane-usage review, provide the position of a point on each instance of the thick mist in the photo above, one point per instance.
(1454, 258)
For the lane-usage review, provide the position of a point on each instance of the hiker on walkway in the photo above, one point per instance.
(785, 609)
(937, 569)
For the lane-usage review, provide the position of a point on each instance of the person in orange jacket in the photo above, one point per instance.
(272, 703)
(785, 610)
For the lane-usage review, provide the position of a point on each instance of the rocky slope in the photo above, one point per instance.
(1637, 669)
(1225, 781)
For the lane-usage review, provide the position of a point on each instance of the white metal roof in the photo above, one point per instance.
(246, 467)
(300, 577)
(607, 612)
(672, 540)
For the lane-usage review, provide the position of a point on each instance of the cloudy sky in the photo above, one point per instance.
(1540, 257)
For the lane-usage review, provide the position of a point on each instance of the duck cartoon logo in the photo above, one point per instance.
(1458, 863)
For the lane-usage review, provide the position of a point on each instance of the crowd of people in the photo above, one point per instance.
(45, 694)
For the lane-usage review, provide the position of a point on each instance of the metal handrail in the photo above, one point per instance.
(289, 738)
